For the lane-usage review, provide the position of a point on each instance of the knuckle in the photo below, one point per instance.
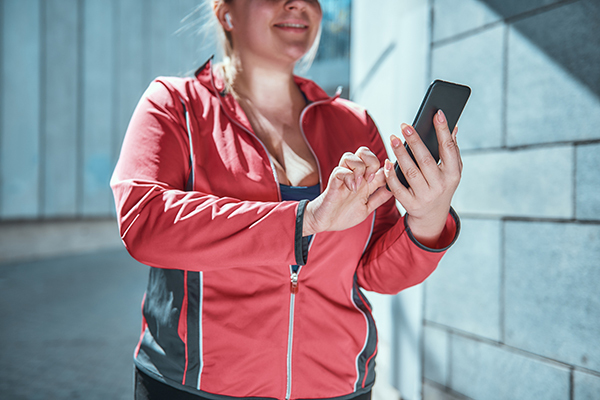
(412, 173)
(397, 192)
(338, 171)
(450, 145)
(427, 161)
(363, 150)
(455, 178)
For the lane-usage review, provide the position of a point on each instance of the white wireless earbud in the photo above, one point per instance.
(228, 19)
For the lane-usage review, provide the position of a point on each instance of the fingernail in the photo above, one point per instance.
(371, 177)
(388, 165)
(407, 130)
(441, 117)
(359, 181)
(395, 141)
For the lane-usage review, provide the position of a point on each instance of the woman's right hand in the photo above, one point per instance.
(355, 189)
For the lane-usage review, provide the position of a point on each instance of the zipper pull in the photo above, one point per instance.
(294, 287)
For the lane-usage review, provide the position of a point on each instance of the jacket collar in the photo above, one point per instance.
(215, 83)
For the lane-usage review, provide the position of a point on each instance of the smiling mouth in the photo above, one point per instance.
(298, 26)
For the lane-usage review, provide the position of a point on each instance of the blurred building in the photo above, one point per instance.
(513, 311)
(72, 72)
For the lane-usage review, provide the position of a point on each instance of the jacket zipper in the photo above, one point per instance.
(293, 274)
(293, 292)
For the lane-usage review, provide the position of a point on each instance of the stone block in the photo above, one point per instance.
(61, 166)
(20, 88)
(483, 371)
(552, 306)
(434, 392)
(553, 82)
(133, 74)
(472, 14)
(436, 355)
(586, 386)
(529, 183)
(97, 108)
(464, 291)
(476, 61)
(511, 8)
(587, 205)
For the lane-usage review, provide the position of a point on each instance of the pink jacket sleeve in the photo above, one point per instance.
(394, 259)
(164, 226)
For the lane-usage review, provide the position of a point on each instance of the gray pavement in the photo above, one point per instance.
(68, 326)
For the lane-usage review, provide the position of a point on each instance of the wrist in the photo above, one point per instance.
(309, 225)
(427, 230)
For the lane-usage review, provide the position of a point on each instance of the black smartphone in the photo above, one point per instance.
(451, 98)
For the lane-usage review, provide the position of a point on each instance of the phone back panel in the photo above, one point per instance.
(451, 98)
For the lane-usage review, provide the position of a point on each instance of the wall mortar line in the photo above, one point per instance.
(2, 36)
(574, 187)
(511, 349)
(502, 291)
(505, 78)
(42, 113)
(79, 122)
(116, 58)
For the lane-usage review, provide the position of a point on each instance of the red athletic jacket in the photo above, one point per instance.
(198, 200)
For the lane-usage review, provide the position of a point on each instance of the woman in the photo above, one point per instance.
(224, 182)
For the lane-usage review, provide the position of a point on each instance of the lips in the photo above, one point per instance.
(289, 25)
(292, 25)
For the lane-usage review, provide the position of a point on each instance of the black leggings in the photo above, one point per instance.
(148, 388)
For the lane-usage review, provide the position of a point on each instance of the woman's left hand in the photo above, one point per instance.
(432, 185)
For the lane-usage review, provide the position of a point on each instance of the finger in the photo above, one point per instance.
(371, 162)
(411, 171)
(378, 181)
(423, 156)
(396, 188)
(345, 177)
(454, 135)
(448, 147)
(378, 198)
(354, 163)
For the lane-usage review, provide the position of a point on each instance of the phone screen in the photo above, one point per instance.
(451, 98)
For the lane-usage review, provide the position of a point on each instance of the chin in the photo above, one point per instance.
(293, 55)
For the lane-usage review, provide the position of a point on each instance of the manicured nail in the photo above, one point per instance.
(359, 181)
(395, 142)
(441, 117)
(388, 165)
(407, 130)
(371, 177)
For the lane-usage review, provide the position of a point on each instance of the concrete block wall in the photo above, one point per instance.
(71, 73)
(513, 311)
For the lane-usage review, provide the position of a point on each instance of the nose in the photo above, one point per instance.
(295, 4)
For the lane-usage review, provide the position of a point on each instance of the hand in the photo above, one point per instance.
(355, 189)
(432, 185)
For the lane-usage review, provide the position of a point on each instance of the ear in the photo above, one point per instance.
(222, 13)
